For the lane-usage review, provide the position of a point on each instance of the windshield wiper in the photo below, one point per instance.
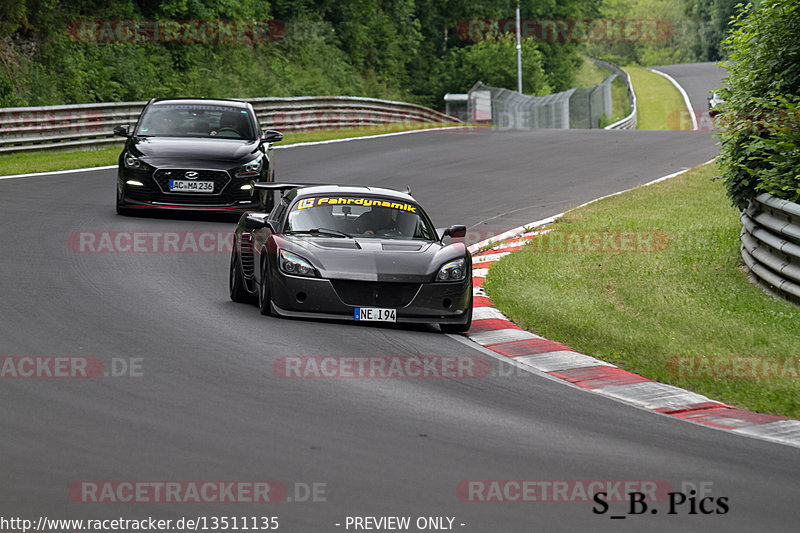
(320, 231)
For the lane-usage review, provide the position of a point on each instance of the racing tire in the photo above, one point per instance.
(236, 287)
(459, 328)
(264, 298)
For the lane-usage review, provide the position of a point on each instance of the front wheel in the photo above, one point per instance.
(459, 328)
(264, 298)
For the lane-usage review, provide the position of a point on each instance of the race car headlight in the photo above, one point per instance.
(295, 265)
(453, 271)
(132, 161)
(250, 169)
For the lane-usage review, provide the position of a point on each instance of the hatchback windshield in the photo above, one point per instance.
(359, 217)
(196, 120)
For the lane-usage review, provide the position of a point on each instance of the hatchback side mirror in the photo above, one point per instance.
(122, 131)
(272, 136)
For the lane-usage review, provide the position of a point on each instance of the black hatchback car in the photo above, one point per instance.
(194, 154)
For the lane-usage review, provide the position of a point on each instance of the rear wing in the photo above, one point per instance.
(271, 186)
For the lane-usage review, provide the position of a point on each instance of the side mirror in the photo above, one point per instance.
(457, 231)
(272, 136)
(122, 131)
(254, 221)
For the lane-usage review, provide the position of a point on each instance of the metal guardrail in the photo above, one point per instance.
(630, 121)
(91, 125)
(770, 248)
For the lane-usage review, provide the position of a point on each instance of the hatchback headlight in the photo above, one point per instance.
(250, 169)
(295, 265)
(131, 161)
(453, 271)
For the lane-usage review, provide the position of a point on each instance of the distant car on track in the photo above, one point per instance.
(714, 103)
(194, 154)
(352, 253)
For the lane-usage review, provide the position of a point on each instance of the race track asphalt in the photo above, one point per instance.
(207, 405)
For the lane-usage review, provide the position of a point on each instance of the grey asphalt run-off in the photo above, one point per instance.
(209, 406)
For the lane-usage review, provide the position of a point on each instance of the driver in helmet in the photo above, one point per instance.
(375, 221)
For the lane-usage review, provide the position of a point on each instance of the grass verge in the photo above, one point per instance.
(641, 311)
(589, 74)
(44, 161)
(659, 105)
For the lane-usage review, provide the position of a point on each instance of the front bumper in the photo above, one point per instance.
(238, 207)
(439, 303)
(151, 195)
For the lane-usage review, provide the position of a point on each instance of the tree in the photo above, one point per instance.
(709, 20)
(493, 63)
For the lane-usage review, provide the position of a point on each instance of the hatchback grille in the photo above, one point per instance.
(376, 294)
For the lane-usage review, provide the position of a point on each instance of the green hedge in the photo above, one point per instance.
(760, 139)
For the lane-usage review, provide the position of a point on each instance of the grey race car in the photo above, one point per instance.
(352, 253)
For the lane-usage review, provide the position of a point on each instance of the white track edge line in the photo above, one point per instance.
(549, 220)
(366, 137)
(56, 172)
(295, 145)
(683, 93)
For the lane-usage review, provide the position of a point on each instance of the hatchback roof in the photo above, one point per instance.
(201, 101)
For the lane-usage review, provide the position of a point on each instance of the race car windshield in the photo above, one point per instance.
(193, 120)
(360, 217)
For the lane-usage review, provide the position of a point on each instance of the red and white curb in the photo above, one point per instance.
(492, 330)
